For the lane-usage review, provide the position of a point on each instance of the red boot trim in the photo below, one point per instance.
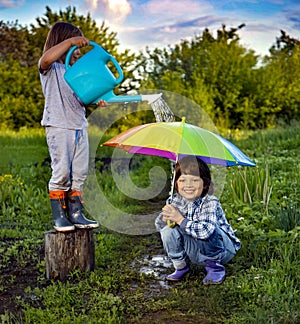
(57, 194)
(75, 193)
(60, 195)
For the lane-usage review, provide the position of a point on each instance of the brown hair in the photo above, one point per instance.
(59, 32)
(192, 165)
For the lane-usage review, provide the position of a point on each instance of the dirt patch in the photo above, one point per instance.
(16, 280)
(176, 317)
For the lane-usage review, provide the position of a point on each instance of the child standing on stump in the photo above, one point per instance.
(202, 234)
(66, 129)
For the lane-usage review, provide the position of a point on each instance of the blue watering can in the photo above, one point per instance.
(92, 80)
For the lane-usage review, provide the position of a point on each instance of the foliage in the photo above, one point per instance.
(226, 79)
(261, 203)
(281, 89)
(14, 42)
(250, 185)
(21, 152)
(262, 282)
(21, 98)
(236, 87)
(287, 217)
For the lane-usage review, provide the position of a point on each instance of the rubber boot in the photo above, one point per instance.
(74, 203)
(178, 274)
(215, 273)
(58, 204)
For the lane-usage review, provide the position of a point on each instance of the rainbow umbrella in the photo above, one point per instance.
(174, 140)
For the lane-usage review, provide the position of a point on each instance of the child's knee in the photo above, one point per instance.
(167, 233)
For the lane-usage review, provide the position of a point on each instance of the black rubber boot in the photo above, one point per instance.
(58, 204)
(74, 203)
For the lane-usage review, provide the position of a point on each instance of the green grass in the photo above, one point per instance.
(263, 280)
(22, 148)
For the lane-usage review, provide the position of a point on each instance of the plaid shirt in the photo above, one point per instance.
(202, 216)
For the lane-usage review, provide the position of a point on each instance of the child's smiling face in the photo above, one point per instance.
(189, 187)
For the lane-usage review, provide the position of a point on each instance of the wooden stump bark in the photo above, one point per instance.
(65, 252)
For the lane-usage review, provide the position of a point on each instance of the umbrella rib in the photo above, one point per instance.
(181, 137)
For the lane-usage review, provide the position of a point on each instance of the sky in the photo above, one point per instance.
(159, 23)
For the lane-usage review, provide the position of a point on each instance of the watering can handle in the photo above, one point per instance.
(109, 56)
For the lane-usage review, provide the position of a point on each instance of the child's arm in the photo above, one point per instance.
(55, 53)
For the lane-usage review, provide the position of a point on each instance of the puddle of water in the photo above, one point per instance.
(156, 265)
(161, 261)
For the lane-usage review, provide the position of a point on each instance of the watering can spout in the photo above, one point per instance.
(151, 98)
(112, 98)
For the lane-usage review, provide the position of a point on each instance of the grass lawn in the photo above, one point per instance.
(127, 286)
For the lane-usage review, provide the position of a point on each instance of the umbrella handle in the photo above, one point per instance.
(173, 178)
(171, 224)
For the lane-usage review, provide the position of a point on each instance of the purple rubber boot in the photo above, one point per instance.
(178, 274)
(215, 273)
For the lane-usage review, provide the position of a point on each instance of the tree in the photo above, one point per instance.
(13, 42)
(217, 73)
(279, 80)
(284, 43)
(21, 99)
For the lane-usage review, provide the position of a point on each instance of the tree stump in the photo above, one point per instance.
(67, 251)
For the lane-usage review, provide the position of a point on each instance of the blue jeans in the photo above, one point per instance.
(179, 246)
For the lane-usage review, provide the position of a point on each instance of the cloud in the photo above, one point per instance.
(172, 11)
(168, 34)
(9, 4)
(177, 8)
(114, 11)
(163, 22)
(259, 28)
(292, 16)
(159, 23)
(202, 22)
(295, 22)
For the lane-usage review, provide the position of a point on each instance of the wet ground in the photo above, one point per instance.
(158, 266)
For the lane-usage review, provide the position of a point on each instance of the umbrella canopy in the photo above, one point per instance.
(174, 140)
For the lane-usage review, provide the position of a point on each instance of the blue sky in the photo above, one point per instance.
(158, 23)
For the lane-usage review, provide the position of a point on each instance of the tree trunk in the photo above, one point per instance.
(65, 252)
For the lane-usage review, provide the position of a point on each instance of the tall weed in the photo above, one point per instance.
(251, 184)
(287, 217)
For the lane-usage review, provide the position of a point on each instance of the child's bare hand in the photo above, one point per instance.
(172, 214)
(101, 103)
(79, 41)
